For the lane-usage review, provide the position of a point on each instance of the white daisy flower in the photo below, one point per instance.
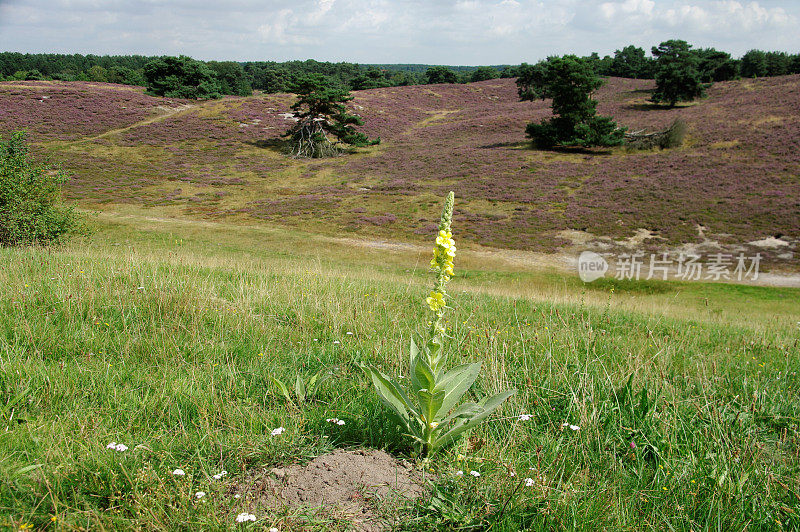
(529, 482)
(200, 494)
(179, 472)
(459, 473)
(277, 432)
(112, 445)
(121, 447)
(524, 417)
(220, 475)
(474, 473)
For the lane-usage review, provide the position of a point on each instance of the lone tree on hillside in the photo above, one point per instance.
(320, 112)
(678, 76)
(569, 81)
(181, 77)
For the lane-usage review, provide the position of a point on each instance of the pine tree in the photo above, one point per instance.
(320, 112)
(569, 81)
(678, 76)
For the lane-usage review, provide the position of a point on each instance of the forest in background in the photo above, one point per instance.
(240, 78)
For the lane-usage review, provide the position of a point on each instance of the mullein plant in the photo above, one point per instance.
(428, 407)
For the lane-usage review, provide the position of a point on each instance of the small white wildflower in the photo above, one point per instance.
(332, 420)
(459, 473)
(336, 342)
(349, 333)
(220, 475)
(340, 422)
(277, 432)
(236, 496)
(529, 482)
(140, 288)
(112, 445)
(121, 447)
(512, 474)
(179, 472)
(273, 529)
(474, 473)
(574, 427)
(200, 494)
(524, 417)
(244, 516)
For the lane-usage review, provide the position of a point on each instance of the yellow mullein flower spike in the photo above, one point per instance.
(435, 301)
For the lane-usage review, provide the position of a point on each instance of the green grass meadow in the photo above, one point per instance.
(162, 335)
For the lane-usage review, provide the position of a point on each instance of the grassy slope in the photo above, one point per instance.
(736, 175)
(177, 370)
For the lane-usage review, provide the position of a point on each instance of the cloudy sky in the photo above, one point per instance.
(455, 32)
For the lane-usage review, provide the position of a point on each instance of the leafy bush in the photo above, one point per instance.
(30, 210)
(231, 78)
(484, 73)
(630, 62)
(181, 77)
(440, 74)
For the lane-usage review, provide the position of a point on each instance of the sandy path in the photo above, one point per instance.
(169, 111)
(479, 257)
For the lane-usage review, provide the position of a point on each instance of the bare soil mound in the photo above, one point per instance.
(356, 484)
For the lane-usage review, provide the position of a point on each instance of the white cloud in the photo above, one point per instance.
(611, 10)
(323, 7)
(701, 16)
(378, 31)
(275, 31)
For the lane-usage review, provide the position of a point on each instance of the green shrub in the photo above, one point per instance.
(30, 207)
(181, 77)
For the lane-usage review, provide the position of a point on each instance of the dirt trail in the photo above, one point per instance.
(169, 111)
(486, 258)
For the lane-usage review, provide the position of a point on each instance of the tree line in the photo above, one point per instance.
(234, 78)
(239, 78)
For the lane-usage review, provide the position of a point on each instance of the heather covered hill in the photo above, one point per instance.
(735, 177)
